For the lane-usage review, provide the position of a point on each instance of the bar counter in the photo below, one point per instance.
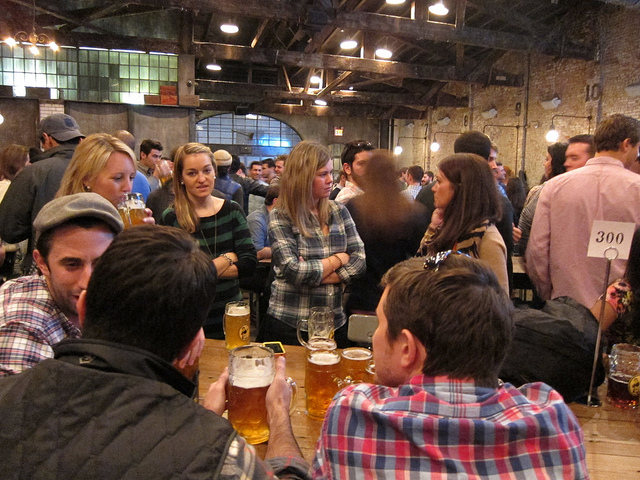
(612, 435)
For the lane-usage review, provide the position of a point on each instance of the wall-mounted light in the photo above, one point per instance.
(229, 28)
(552, 135)
(384, 53)
(398, 150)
(438, 9)
(491, 113)
(1, 119)
(444, 121)
(435, 146)
(214, 67)
(551, 103)
(632, 90)
(348, 44)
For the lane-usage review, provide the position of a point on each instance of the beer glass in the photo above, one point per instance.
(623, 382)
(319, 325)
(132, 210)
(354, 363)
(251, 371)
(164, 172)
(236, 324)
(322, 376)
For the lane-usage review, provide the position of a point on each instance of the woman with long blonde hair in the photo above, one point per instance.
(315, 246)
(218, 225)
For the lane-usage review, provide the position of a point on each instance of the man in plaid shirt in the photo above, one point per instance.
(440, 410)
(38, 311)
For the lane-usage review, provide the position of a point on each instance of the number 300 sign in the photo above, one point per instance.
(613, 236)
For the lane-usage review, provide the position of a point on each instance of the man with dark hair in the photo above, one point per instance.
(268, 170)
(258, 221)
(127, 412)
(439, 409)
(249, 186)
(231, 189)
(339, 185)
(37, 184)
(38, 311)
(581, 148)
(414, 178)
(150, 155)
(427, 177)
(355, 157)
(604, 189)
(255, 171)
(279, 162)
(473, 141)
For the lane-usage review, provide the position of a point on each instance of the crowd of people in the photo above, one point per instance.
(99, 315)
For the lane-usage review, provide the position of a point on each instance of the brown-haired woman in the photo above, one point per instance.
(218, 225)
(467, 205)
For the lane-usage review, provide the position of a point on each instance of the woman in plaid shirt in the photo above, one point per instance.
(316, 248)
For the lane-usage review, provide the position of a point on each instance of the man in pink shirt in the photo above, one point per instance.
(604, 189)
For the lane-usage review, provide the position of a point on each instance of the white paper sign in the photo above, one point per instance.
(611, 239)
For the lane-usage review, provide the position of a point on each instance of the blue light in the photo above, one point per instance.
(269, 141)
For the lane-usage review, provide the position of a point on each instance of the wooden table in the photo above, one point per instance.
(612, 435)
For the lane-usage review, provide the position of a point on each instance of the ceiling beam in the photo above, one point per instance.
(323, 61)
(297, 12)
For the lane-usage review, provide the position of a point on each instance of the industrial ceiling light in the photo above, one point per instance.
(33, 38)
(632, 90)
(395, 2)
(315, 79)
(384, 53)
(438, 9)
(552, 103)
(214, 67)
(444, 121)
(320, 103)
(229, 28)
(348, 44)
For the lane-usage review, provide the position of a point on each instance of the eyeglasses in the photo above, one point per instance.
(433, 262)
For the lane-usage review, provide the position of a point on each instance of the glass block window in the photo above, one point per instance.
(88, 74)
(255, 130)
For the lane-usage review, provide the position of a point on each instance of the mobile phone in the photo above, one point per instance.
(277, 347)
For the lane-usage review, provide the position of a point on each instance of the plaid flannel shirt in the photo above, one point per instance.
(436, 427)
(298, 265)
(30, 324)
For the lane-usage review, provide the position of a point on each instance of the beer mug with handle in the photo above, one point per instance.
(251, 371)
(319, 325)
(322, 376)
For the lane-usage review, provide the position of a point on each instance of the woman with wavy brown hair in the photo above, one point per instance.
(218, 225)
(467, 206)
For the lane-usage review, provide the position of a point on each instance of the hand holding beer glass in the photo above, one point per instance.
(132, 210)
(623, 382)
(236, 324)
(252, 369)
(319, 325)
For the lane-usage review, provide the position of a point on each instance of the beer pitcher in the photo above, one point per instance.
(319, 325)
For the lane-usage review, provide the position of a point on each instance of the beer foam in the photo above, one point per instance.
(260, 376)
(324, 358)
(357, 354)
(238, 310)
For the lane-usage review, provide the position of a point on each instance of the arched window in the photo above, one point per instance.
(252, 137)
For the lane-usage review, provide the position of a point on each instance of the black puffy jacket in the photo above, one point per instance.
(106, 411)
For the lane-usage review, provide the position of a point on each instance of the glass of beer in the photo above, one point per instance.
(623, 382)
(132, 210)
(322, 376)
(354, 363)
(319, 325)
(236, 324)
(164, 172)
(251, 371)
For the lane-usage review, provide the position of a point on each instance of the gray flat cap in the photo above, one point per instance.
(88, 205)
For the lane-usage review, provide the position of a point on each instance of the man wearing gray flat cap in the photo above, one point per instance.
(38, 183)
(38, 311)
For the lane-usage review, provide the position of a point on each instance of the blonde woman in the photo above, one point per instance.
(315, 246)
(104, 165)
(218, 225)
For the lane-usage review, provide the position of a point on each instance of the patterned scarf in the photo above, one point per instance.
(468, 243)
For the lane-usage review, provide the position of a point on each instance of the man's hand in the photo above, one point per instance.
(149, 220)
(517, 234)
(278, 397)
(2, 254)
(216, 398)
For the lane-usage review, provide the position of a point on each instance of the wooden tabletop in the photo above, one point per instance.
(612, 435)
